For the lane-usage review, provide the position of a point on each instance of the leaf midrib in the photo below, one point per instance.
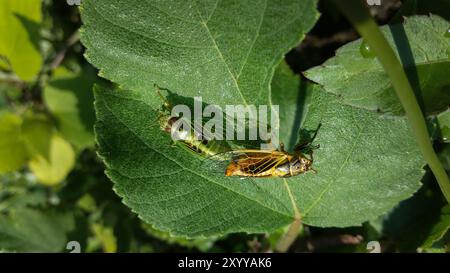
(216, 47)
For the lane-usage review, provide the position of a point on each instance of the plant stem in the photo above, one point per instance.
(359, 16)
(289, 237)
(73, 39)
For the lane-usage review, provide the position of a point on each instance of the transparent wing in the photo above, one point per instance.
(250, 161)
(259, 162)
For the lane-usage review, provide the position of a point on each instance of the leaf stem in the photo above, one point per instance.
(289, 237)
(59, 57)
(359, 16)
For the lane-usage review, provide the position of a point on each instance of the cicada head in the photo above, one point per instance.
(300, 165)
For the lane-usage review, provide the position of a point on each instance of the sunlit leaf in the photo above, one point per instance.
(69, 98)
(19, 41)
(13, 151)
(423, 47)
(37, 132)
(61, 161)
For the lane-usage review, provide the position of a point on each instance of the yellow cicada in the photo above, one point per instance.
(278, 163)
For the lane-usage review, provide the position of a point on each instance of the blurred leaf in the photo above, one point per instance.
(20, 22)
(3, 102)
(25, 199)
(226, 51)
(28, 230)
(87, 203)
(62, 159)
(69, 98)
(439, 229)
(105, 235)
(361, 81)
(434, 250)
(13, 151)
(10, 92)
(443, 120)
(4, 65)
(444, 156)
(37, 132)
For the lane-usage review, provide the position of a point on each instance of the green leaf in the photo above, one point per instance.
(444, 156)
(105, 237)
(20, 22)
(361, 81)
(29, 230)
(69, 98)
(366, 165)
(439, 229)
(37, 132)
(401, 225)
(225, 51)
(443, 120)
(55, 169)
(4, 65)
(13, 151)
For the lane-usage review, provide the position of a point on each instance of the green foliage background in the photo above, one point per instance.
(372, 182)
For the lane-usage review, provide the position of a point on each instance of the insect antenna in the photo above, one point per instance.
(315, 133)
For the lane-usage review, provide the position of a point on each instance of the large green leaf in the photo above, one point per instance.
(366, 165)
(29, 230)
(225, 51)
(357, 76)
(19, 41)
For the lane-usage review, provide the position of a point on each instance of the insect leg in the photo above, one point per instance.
(282, 147)
(301, 146)
(315, 133)
(166, 104)
(311, 155)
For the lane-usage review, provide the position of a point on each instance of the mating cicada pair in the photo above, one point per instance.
(242, 162)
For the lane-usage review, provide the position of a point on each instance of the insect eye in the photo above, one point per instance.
(296, 164)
